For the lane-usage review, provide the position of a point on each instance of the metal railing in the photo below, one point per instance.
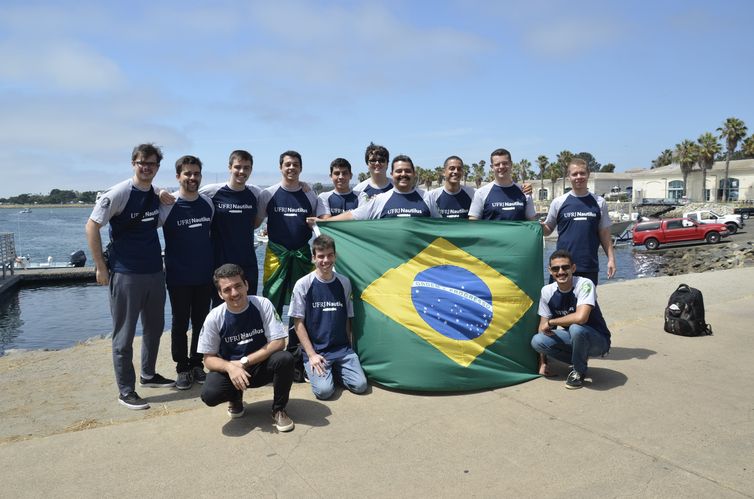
(7, 252)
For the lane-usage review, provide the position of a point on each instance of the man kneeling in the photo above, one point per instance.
(322, 309)
(571, 326)
(243, 343)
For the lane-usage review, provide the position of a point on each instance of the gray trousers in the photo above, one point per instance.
(133, 296)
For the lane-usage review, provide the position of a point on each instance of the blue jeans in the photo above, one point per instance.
(346, 370)
(572, 346)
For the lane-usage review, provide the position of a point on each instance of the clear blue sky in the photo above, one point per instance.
(82, 82)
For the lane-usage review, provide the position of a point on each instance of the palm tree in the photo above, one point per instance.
(554, 173)
(478, 172)
(665, 158)
(708, 148)
(466, 171)
(732, 131)
(686, 154)
(525, 166)
(542, 161)
(363, 176)
(564, 159)
(439, 174)
(748, 147)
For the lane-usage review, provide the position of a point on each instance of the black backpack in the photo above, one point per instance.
(684, 314)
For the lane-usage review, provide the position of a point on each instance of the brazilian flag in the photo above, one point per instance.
(442, 305)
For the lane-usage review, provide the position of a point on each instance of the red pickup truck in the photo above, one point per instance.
(675, 230)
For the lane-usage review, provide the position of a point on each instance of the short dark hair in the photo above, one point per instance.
(376, 150)
(404, 158)
(578, 162)
(561, 253)
(240, 155)
(449, 158)
(187, 160)
(227, 271)
(292, 154)
(322, 243)
(340, 163)
(146, 150)
(501, 152)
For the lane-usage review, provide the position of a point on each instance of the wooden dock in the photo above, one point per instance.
(46, 276)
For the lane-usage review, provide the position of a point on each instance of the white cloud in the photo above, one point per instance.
(569, 37)
(57, 65)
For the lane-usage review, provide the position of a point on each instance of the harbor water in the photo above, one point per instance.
(59, 316)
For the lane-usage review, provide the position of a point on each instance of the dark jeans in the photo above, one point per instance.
(188, 303)
(278, 368)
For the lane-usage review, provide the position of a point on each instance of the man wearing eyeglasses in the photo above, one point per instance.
(571, 325)
(377, 158)
(133, 271)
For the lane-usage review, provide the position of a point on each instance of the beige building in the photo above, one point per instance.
(666, 182)
(599, 183)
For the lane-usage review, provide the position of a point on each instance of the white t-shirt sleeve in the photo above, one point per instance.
(209, 337)
(585, 292)
(298, 298)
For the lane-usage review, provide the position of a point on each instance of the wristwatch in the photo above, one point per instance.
(244, 361)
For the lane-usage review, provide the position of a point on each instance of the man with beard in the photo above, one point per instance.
(188, 265)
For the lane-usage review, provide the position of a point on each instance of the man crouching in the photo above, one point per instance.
(243, 342)
(571, 326)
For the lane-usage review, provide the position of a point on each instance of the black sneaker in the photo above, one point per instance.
(574, 380)
(199, 375)
(156, 381)
(184, 381)
(133, 401)
(236, 409)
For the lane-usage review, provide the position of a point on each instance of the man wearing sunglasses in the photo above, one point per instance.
(571, 325)
(376, 158)
(133, 271)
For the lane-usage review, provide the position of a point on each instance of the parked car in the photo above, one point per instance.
(744, 211)
(674, 230)
(734, 222)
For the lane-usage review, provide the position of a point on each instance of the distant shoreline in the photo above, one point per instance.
(32, 206)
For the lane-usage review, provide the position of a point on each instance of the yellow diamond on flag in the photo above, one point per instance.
(451, 299)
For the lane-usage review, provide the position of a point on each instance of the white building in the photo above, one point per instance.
(599, 183)
(666, 182)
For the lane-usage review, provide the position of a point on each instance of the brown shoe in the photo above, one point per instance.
(281, 421)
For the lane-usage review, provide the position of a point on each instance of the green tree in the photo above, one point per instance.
(732, 131)
(686, 154)
(88, 197)
(591, 163)
(608, 168)
(748, 147)
(542, 162)
(564, 159)
(478, 172)
(708, 147)
(318, 187)
(524, 170)
(664, 159)
(363, 176)
(466, 171)
(439, 174)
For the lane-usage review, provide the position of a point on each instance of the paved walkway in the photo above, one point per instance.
(663, 416)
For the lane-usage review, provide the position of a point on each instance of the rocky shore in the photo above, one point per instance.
(732, 252)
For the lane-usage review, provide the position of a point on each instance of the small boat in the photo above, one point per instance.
(25, 210)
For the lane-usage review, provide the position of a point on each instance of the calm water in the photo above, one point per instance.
(55, 317)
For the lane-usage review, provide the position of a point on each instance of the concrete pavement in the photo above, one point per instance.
(663, 416)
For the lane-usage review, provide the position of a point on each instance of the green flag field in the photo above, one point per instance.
(442, 305)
